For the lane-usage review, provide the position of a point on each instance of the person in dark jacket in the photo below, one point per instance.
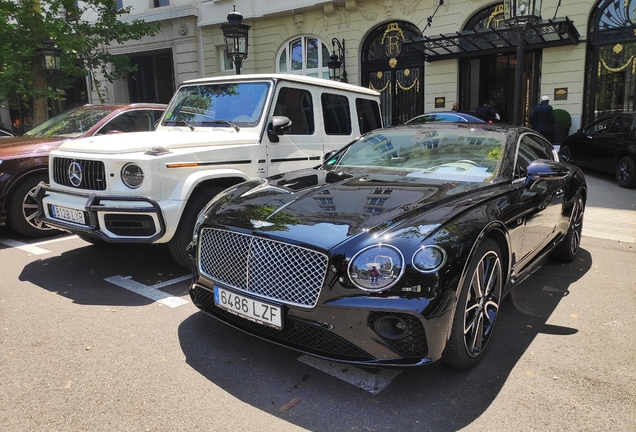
(486, 110)
(542, 118)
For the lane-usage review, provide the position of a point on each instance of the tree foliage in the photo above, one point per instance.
(83, 31)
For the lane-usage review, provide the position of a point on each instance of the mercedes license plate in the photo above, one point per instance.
(68, 214)
(248, 308)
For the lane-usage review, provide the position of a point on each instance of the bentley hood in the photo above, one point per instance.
(325, 208)
(171, 139)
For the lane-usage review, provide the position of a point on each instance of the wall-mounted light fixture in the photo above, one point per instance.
(235, 34)
(336, 64)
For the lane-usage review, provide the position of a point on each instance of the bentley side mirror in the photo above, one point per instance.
(542, 169)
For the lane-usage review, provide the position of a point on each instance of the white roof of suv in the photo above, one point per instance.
(301, 79)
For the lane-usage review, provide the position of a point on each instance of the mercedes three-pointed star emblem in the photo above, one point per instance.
(75, 174)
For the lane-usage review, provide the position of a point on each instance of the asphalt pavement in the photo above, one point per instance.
(611, 210)
(84, 347)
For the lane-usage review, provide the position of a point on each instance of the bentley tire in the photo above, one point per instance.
(569, 246)
(477, 308)
(23, 210)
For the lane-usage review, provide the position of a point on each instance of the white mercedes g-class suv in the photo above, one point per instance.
(149, 187)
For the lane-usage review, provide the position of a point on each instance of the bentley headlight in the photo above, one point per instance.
(427, 259)
(132, 175)
(376, 268)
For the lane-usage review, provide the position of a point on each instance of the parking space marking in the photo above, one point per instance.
(373, 383)
(152, 292)
(34, 248)
(30, 248)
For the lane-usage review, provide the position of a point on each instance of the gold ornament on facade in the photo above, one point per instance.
(407, 72)
(618, 48)
(631, 62)
(393, 62)
(379, 75)
(498, 10)
(416, 84)
(392, 27)
(391, 40)
(372, 87)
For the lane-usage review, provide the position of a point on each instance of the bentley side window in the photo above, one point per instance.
(530, 149)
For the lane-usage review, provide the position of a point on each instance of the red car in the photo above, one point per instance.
(24, 160)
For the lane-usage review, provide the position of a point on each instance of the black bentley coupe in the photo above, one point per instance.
(397, 250)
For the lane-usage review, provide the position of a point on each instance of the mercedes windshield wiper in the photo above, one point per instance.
(221, 122)
(178, 123)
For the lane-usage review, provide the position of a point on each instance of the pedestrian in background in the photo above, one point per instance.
(486, 110)
(455, 107)
(542, 118)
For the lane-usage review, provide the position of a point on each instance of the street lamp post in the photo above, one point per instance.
(518, 14)
(235, 35)
(336, 62)
(50, 62)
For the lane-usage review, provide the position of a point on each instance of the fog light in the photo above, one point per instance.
(390, 327)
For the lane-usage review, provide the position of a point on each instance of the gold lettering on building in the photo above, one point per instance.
(391, 40)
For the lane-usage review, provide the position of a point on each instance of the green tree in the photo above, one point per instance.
(83, 31)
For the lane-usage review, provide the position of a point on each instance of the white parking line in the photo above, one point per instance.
(373, 383)
(34, 248)
(152, 292)
(29, 248)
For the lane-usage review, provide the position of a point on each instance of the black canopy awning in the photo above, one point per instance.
(484, 41)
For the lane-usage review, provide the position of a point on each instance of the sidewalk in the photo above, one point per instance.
(611, 210)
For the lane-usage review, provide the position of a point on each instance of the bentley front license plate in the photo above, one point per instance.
(250, 309)
(68, 214)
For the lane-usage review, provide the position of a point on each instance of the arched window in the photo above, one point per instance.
(304, 55)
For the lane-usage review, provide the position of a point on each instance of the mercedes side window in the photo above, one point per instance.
(336, 114)
(297, 105)
(368, 112)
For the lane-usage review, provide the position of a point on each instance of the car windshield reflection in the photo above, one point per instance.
(70, 124)
(463, 154)
(218, 105)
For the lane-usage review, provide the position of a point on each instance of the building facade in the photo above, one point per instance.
(163, 61)
(421, 55)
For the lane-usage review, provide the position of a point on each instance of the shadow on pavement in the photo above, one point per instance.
(436, 397)
(79, 274)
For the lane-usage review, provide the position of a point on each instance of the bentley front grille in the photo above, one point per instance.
(79, 173)
(270, 269)
(295, 333)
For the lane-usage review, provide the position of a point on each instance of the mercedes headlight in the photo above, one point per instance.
(428, 259)
(376, 268)
(132, 175)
